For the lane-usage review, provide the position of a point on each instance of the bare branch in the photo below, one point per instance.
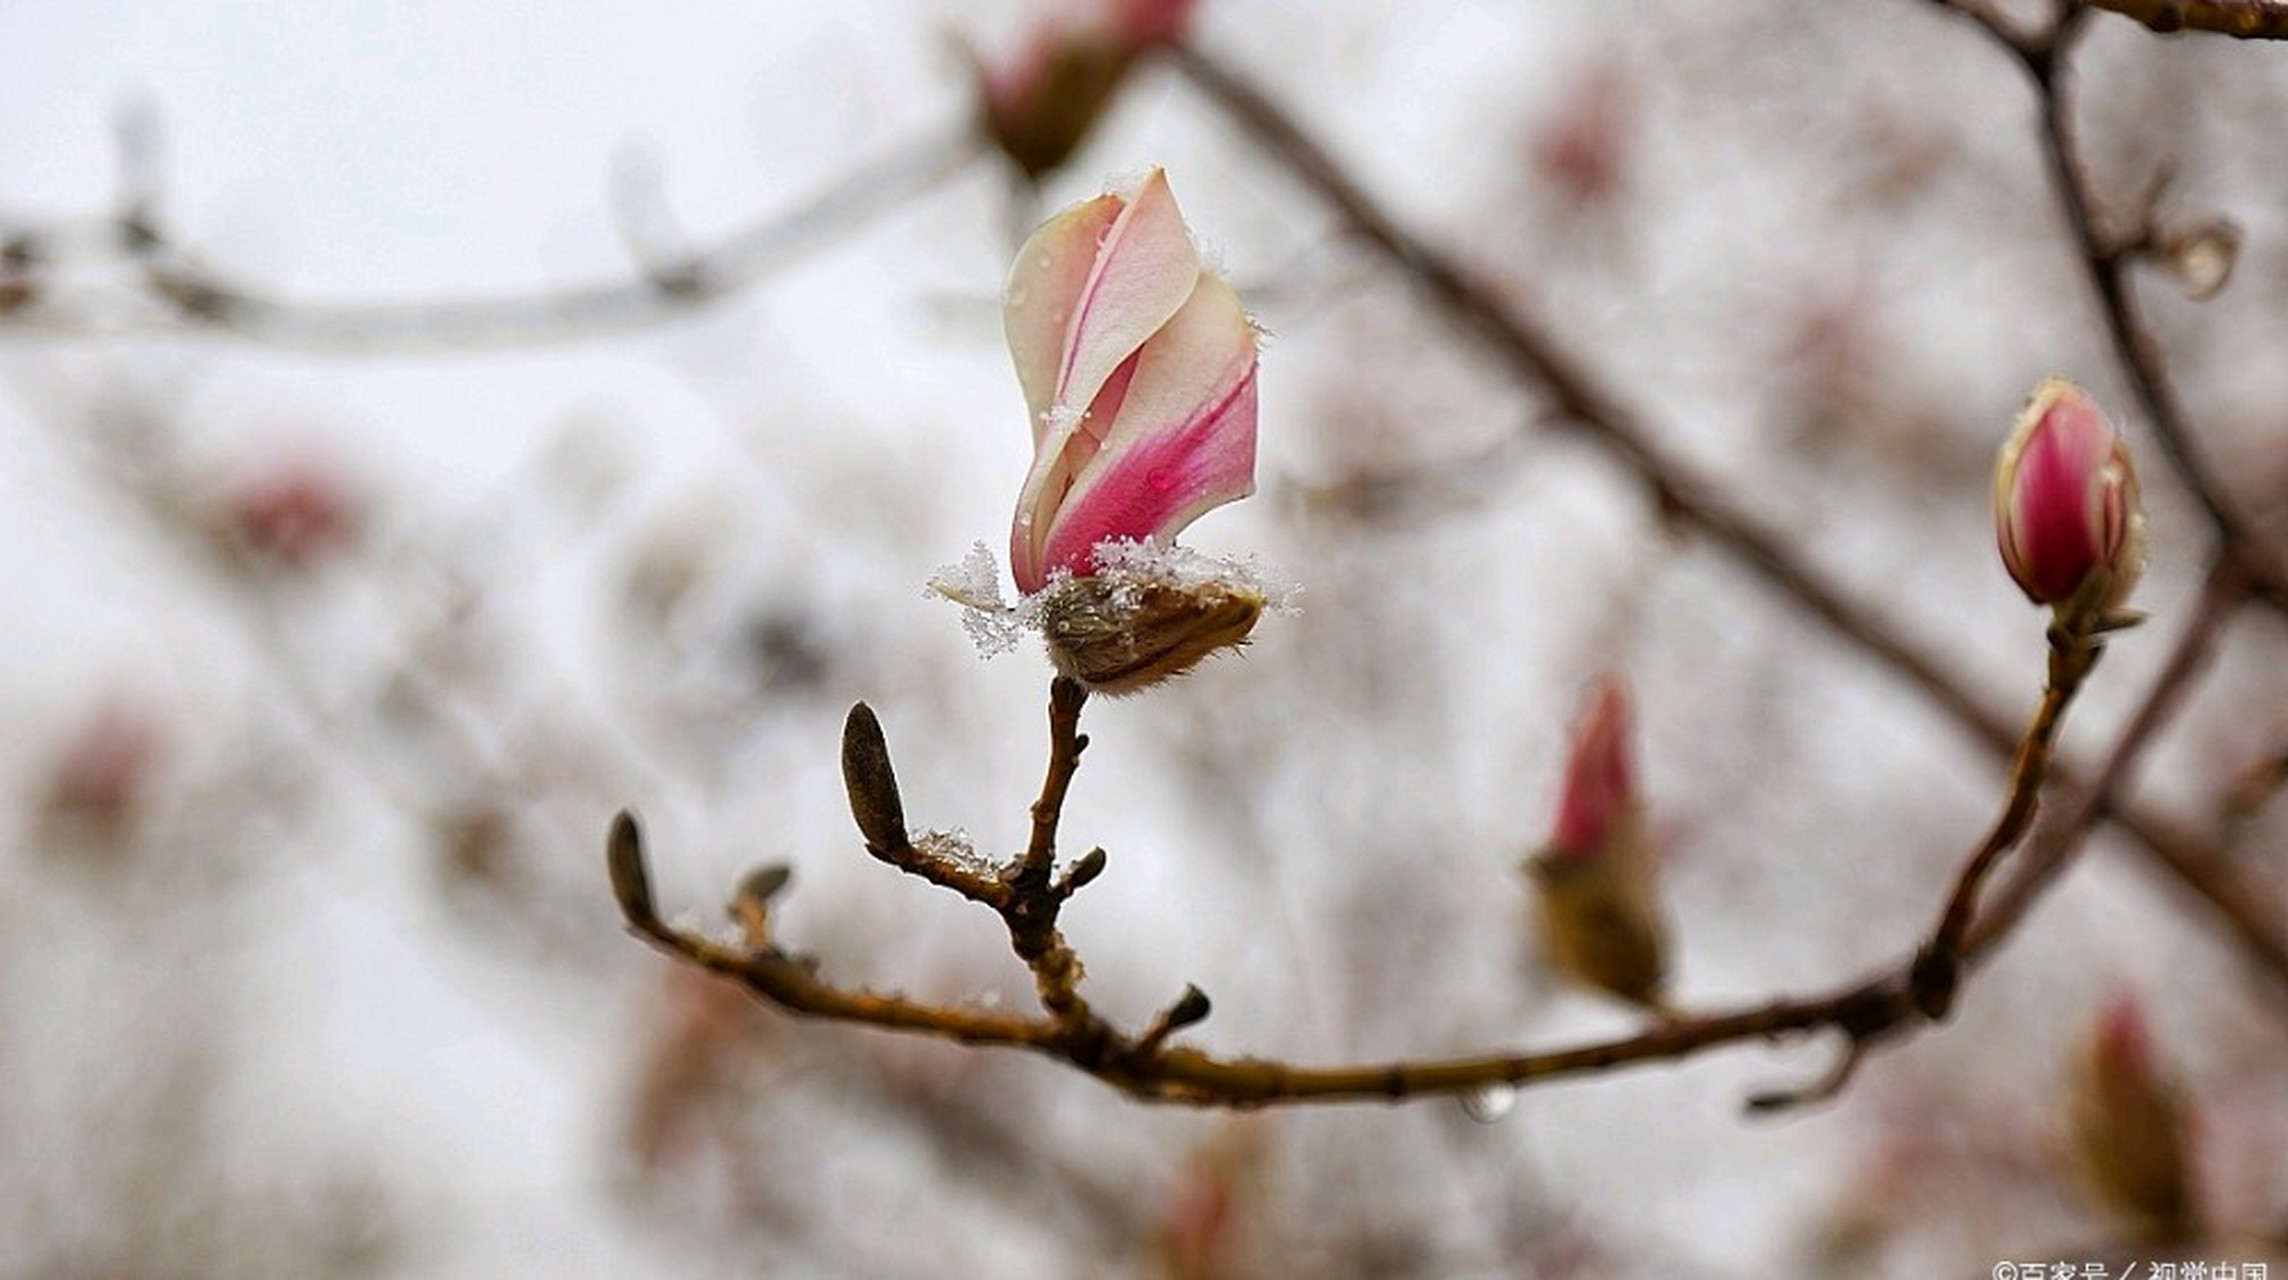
(2074, 649)
(2241, 19)
(1916, 992)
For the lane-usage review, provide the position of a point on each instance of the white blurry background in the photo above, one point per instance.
(328, 981)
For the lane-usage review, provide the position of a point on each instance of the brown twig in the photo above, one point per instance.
(1023, 892)
(1146, 1067)
(2074, 650)
(2251, 921)
(1867, 1013)
(2242, 19)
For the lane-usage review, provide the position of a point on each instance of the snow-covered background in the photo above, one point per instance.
(329, 981)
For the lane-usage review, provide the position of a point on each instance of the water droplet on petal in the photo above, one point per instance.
(1490, 1102)
(2204, 259)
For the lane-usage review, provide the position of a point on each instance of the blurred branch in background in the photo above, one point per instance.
(2246, 19)
(43, 266)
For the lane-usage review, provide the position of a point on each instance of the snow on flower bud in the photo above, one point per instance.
(2066, 508)
(1039, 106)
(1594, 881)
(2128, 1132)
(1138, 368)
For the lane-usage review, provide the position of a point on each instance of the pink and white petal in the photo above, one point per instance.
(1145, 269)
(1182, 439)
(1059, 458)
(1043, 295)
(1196, 356)
(2054, 519)
(1160, 485)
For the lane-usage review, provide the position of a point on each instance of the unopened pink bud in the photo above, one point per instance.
(1598, 778)
(2128, 1129)
(1139, 371)
(2066, 503)
(1595, 880)
(1040, 104)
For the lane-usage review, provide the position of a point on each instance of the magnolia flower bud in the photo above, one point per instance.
(1595, 881)
(1139, 369)
(2066, 509)
(2128, 1130)
(1039, 106)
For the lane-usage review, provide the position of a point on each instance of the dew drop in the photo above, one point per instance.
(1490, 1102)
(2204, 259)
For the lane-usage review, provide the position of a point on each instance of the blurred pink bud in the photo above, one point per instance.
(2066, 502)
(1139, 371)
(1600, 911)
(1582, 150)
(1040, 105)
(2128, 1130)
(103, 778)
(291, 513)
(1599, 782)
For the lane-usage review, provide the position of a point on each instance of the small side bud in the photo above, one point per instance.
(631, 882)
(751, 905)
(873, 786)
(1084, 869)
(2067, 515)
(1190, 1009)
(1040, 105)
(1595, 880)
(2128, 1131)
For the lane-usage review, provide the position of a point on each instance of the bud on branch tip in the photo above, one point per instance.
(1138, 367)
(2066, 509)
(631, 882)
(1139, 372)
(874, 802)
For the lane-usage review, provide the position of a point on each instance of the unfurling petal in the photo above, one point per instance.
(1178, 437)
(1044, 290)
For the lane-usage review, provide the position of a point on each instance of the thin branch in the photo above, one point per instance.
(2251, 920)
(193, 294)
(1867, 1012)
(2074, 650)
(1147, 1068)
(2241, 19)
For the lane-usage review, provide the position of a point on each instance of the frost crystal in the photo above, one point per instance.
(975, 585)
(1128, 565)
(952, 846)
(1127, 570)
